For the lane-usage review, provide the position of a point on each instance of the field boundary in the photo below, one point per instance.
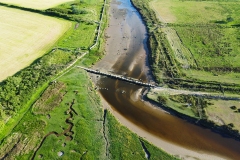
(60, 74)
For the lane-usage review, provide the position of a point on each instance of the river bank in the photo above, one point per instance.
(170, 148)
(126, 54)
(224, 129)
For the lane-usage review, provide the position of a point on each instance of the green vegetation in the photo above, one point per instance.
(224, 113)
(186, 104)
(21, 90)
(193, 11)
(45, 119)
(87, 120)
(184, 51)
(194, 51)
(87, 11)
(80, 36)
(47, 102)
(126, 145)
(35, 35)
(17, 93)
(194, 54)
(212, 46)
(89, 127)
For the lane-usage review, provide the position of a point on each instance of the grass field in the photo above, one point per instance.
(177, 11)
(36, 4)
(24, 37)
(90, 126)
(87, 120)
(80, 37)
(221, 112)
(206, 47)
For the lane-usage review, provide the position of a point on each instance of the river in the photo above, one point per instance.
(126, 54)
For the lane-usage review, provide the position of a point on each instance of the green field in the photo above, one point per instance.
(123, 144)
(18, 92)
(211, 42)
(41, 119)
(25, 37)
(36, 4)
(224, 113)
(184, 11)
(195, 47)
(95, 134)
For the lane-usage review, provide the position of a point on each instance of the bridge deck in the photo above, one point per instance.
(120, 77)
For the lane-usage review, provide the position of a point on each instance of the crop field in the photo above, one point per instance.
(24, 37)
(36, 4)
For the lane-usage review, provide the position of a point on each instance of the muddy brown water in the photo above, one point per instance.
(126, 54)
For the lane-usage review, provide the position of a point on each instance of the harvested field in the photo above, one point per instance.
(36, 4)
(24, 37)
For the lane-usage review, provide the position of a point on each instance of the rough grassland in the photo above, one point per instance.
(24, 37)
(176, 11)
(36, 4)
(203, 45)
(224, 112)
(123, 144)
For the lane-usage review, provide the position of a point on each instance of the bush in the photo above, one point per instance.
(162, 99)
(233, 107)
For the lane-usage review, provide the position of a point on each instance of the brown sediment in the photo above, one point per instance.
(126, 54)
(67, 132)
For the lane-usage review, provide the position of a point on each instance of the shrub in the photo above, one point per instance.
(233, 107)
(162, 99)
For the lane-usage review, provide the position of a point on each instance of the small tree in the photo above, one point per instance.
(162, 99)
(230, 19)
(233, 107)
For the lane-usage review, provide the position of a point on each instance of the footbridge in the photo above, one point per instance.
(120, 77)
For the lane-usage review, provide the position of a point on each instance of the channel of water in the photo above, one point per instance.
(126, 54)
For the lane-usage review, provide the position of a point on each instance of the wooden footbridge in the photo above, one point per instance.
(120, 77)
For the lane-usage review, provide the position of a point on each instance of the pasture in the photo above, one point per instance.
(204, 39)
(35, 4)
(181, 11)
(25, 37)
(224, 113)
